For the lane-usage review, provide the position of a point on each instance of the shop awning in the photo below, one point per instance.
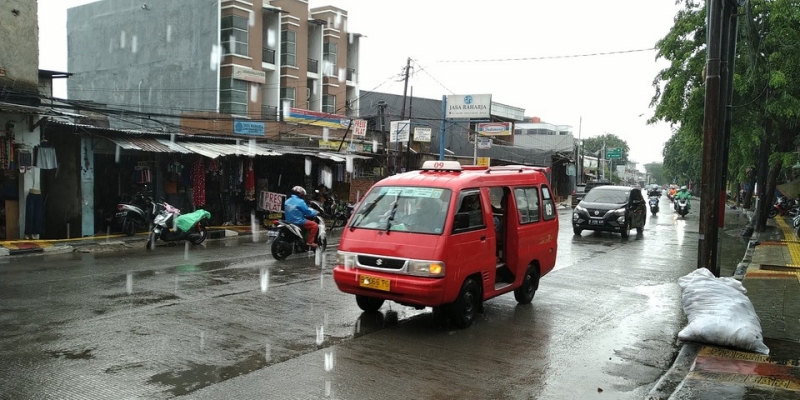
(148, 144)
(214, 150)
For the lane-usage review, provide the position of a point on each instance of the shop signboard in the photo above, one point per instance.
(270, 201)
(466, 106)
(399, 130)
(352, 147)
(359, 128)
(248, 128)
(494, 128)
(484, 143)
(483, 161)
(422, 134)
(300, 116)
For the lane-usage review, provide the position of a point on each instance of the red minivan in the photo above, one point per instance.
(449, 237)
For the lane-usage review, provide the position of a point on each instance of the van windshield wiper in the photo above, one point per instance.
(391, 213)
(361, 214)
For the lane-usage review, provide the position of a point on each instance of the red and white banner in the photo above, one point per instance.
(269, 201)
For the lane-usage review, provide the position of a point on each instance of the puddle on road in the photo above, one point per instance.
(198, 376)
(85, 354)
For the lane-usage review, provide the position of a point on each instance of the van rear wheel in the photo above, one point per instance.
(466, 306)
(368, 304)
(524, 294)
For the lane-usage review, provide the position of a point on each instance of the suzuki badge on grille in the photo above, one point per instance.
(379, 262)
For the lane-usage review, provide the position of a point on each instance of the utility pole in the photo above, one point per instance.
(403, 108)
(410, 131)
(381, 107)
(579, 163)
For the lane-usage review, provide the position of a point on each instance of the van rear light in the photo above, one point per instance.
(120, 207)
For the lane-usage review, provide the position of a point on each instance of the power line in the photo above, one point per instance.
(548, 57)
(431, 76)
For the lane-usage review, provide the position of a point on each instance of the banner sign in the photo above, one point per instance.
(422, 134)
(269, 201)
(359, 128)
(399, 131)
(300, 116)
(248, 128)
(494, 128)
(352, 147)
(469, 106)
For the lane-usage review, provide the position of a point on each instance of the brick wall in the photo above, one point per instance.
(360, 186)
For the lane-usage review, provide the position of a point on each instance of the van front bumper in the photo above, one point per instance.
(403, 289)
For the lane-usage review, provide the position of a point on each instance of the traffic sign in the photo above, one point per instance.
(614, 153)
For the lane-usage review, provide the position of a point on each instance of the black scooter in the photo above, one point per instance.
(654, 204)
(135, 215)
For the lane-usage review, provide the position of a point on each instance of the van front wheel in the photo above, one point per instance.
(524, 294)
(368, 304)
(466, 305)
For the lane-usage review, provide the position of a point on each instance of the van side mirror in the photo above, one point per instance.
(461, 222)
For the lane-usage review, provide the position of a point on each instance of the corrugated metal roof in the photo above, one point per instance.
(148, 144)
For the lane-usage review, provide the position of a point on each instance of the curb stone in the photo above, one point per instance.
(673, 379)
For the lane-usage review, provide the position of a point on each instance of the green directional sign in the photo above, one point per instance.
(614, 153)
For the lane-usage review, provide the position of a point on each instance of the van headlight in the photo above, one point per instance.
(620, 211)
(426, 268)
(348, 260)
(579, 208)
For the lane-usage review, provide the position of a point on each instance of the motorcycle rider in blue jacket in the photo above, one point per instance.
(296, 212)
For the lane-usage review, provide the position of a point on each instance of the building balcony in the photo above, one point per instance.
(313, 66)
(351, 74)
(268, 56)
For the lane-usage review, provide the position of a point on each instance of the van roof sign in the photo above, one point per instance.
(441, 166)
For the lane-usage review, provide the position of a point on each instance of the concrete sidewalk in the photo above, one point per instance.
(113, 242)
(770, 271)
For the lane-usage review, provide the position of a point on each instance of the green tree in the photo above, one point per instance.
(766, 97)
(593, 146)
(656, 172)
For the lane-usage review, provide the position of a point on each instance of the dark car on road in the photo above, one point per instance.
(611, 209)
(582, 189)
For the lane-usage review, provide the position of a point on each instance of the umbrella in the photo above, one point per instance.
(790, 189)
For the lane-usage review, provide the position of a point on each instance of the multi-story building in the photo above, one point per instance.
(260, 60)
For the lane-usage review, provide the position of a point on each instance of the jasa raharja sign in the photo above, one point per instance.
(469, 106)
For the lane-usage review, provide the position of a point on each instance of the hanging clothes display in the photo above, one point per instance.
(198, 183)
(34, 214)
(45, 157)
(249, 182)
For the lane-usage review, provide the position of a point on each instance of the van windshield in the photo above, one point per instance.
(403, 208)
(609, 196)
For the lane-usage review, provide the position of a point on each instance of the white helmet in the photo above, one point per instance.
(299, 190)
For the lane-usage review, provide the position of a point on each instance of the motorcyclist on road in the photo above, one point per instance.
(683, 193)
(296, 212)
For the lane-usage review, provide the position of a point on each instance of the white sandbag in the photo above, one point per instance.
(719, 312)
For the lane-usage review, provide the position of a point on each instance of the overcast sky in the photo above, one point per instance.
(609, 93)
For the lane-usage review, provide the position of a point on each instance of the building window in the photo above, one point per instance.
(329, 52)
(329, 103)
(232, 96)
(289, 48)
(287, 97)
(235, 35)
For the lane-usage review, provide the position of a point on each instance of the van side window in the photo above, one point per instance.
(470, 212)
(527, 204)
(549, 205)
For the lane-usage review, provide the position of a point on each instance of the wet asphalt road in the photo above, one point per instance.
(225, 320)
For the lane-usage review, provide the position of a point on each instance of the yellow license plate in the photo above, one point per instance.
(373, 282)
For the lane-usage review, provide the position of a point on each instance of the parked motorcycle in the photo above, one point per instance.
(682, 207)
(291, 239)
(136, 214)
(654, 204)
(341, 214)
(170, 226)
(783, 206)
